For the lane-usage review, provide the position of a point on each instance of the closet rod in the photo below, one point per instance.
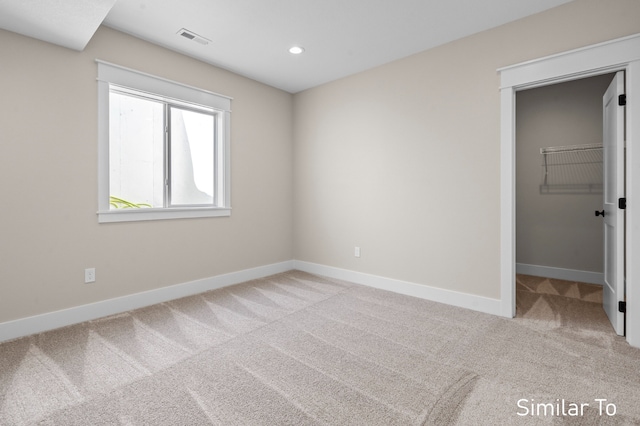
(570, 148)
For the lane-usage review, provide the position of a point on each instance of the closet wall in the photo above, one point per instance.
(555, 221)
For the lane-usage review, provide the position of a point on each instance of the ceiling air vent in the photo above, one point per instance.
(193, 36)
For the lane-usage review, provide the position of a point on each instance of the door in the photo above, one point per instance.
(613, 168)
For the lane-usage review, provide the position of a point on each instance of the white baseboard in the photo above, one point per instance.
(44, 322)
(560, 273)
(449, 297)
(52, 320)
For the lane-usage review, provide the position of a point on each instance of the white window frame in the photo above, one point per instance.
(110, 74)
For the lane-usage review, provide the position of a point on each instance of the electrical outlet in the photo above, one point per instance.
(89, 275)
(357, 252)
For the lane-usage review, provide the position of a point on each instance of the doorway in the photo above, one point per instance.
(559, 186)
(616, 55)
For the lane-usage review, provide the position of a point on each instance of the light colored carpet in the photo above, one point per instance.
(299, 349)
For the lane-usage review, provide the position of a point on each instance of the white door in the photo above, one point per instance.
(613, 163)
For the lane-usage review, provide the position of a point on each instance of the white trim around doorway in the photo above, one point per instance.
(602, 58)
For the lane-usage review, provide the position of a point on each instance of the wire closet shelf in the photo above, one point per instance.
(572, 169)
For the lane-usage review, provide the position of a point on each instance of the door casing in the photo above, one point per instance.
(617, 55)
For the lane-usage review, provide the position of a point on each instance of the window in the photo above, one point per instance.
(163, 148)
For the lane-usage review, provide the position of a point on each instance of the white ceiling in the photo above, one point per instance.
(68, 23)
(252, 37)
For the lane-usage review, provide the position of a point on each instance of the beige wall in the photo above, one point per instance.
(48, 180)
(403, 160)
(558, 229)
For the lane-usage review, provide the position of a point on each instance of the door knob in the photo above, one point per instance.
(600, 213)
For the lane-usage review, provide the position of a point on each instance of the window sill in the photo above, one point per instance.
(134, 215)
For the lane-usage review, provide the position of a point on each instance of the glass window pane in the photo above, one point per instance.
(136, 152)
(192, 157)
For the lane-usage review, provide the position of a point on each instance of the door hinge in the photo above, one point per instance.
(622, 203)
(622, 100)
(622, 306)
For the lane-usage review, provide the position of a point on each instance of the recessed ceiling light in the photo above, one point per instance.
(296, 50)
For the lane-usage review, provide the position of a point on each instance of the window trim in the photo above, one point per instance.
(111, 74)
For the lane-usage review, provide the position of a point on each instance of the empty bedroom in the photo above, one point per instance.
(304, 212)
